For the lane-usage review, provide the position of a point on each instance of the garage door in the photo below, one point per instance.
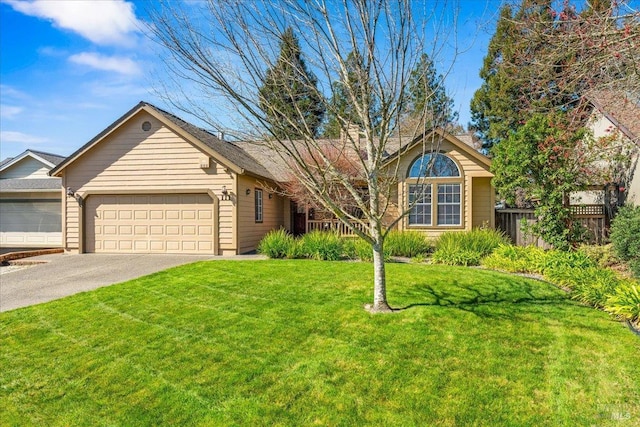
(156, 223)
(30, 223)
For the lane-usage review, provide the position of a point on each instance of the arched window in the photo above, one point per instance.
(434, 191)
(433, 166)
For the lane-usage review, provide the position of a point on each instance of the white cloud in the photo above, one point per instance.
(10, 111)
(118, 64)
(102, 22)
(21, 138)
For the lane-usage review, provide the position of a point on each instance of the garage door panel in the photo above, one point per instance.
(150, 223)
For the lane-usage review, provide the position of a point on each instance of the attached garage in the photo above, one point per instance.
(150, 223)
(153, 183)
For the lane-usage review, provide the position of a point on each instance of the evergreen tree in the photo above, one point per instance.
(289, 95)
(428, 105)
(500, 106)
(351, 92)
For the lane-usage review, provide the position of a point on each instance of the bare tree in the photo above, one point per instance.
(224, 48)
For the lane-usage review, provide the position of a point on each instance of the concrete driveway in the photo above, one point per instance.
(64, 275)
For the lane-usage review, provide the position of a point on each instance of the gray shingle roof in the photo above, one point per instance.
(17, 184)
(53, 158)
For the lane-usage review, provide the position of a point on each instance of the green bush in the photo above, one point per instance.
(516, 259)
(625, 302)
(602, 255)
(407, 244)
(322, 245)
(556, 259)
(360, 249)
(625, 236)
(590, 285)
(276, 244)
(468, 247)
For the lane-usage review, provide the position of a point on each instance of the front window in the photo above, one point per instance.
(435, 173)
(449, 204)
(420, 199)
(258, 205)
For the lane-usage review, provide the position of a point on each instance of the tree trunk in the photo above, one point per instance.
(380, 304)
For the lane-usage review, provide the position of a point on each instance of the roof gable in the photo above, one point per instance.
(621, 110)
(440, 133)
(226, 153)
(47, 159)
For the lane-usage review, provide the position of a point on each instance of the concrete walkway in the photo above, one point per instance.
(61, 275)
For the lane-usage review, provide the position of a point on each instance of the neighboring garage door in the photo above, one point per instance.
(30, 223)
(154, 223)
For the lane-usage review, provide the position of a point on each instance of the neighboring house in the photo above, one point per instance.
(152, 182)
(615, 117)
(30, 206)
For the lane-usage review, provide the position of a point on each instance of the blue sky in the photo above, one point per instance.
(70, 68)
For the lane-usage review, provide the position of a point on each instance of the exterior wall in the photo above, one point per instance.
(27, 168)
(251, 232)
(601, 126)
(131, 160)
(482, 203)
(471, 170)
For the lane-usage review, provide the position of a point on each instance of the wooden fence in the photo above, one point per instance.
(592, 217)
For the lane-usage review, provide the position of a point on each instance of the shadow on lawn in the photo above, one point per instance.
(475, 299)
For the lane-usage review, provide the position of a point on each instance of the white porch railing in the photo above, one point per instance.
(335, 225)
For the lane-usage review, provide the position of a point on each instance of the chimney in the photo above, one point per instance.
(352, 134)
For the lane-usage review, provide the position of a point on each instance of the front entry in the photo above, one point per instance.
(299, 219)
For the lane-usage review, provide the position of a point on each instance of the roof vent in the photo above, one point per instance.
(146, 126)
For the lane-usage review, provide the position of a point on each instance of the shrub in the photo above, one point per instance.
(276, 244)
(590, 285)
(556, 259)
(360, 249)
(602, 255)
(625, 302)
(625, 236)
(322, 245)
(516, 259)
(466, 248)
(407, 244)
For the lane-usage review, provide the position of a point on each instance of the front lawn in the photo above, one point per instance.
(288, 343)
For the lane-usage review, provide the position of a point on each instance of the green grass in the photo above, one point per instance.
(288, 343)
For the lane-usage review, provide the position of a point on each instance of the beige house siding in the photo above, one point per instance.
(27, 168)
(483, 203)
(251, 232)
(475, 178)
(133, 161)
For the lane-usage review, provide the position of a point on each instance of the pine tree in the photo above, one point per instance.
(354, 92)
(289, 96)
(428, 105)
(503, 101)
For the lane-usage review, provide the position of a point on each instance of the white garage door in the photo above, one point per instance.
(155, 223)
(30, 223)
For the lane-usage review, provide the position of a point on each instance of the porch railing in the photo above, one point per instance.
(335, 225)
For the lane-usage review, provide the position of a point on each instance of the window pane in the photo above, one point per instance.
(449, 204)
(420, 201)
(258, 205)
(433, 165)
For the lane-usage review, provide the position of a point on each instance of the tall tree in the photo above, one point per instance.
(561, 58)
(289, 95)
(385, 38)
(428, 105)
(499, 107)
(349, 95)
